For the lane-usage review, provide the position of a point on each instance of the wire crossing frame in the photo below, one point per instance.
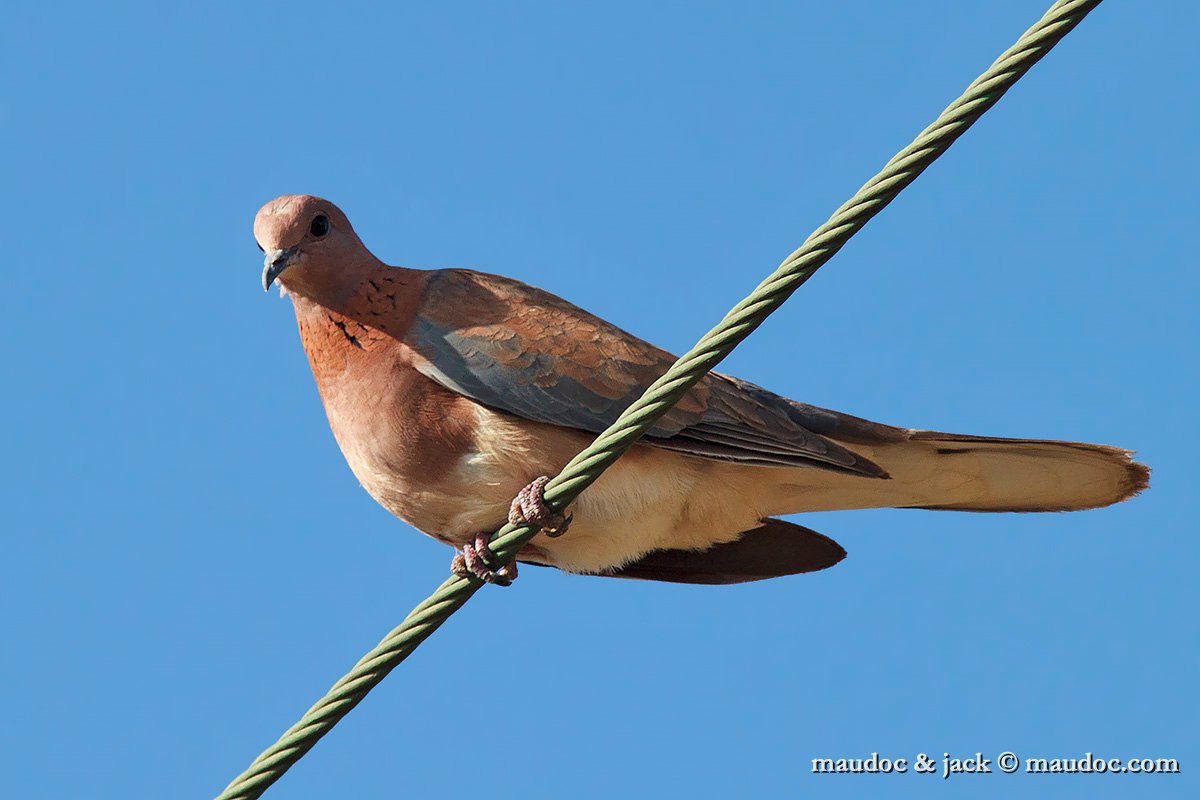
(739, 323)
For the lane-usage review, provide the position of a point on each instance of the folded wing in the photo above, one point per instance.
(515, 348)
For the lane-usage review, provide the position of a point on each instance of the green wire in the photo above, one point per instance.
(667, 390)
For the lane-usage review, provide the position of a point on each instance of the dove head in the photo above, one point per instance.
(309, 245)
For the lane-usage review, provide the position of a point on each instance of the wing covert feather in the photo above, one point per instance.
(518, 349)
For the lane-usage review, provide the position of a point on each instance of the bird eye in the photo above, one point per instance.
(319, 226)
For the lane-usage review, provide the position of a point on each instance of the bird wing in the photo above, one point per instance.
(518, 349)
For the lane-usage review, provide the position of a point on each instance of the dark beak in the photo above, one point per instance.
(275, 263)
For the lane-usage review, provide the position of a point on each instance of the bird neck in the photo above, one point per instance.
(329, 285)
(371, 294)
(343, 334)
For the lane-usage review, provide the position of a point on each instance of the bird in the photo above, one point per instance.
(453, 393)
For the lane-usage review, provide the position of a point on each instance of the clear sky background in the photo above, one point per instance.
(188, 563)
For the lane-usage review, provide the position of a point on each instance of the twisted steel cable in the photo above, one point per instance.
(739, 323)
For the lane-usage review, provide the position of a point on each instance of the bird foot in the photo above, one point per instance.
(529, 506)
(477, 560)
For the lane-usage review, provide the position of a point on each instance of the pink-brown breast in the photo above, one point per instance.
(403, 435)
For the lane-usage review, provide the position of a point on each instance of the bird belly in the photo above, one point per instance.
(649, 499)
(453, 483)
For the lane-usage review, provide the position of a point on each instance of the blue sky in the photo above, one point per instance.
(189, 563)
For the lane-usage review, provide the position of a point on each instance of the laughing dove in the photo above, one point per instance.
(450, 390)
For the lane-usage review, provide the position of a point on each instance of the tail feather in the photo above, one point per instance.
(773, 549)
(1037, 474)
(955, 472)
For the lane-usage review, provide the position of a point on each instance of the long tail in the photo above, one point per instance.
(928, 469)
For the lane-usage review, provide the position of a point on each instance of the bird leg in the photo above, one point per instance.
(477, 560)
(529, 506)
